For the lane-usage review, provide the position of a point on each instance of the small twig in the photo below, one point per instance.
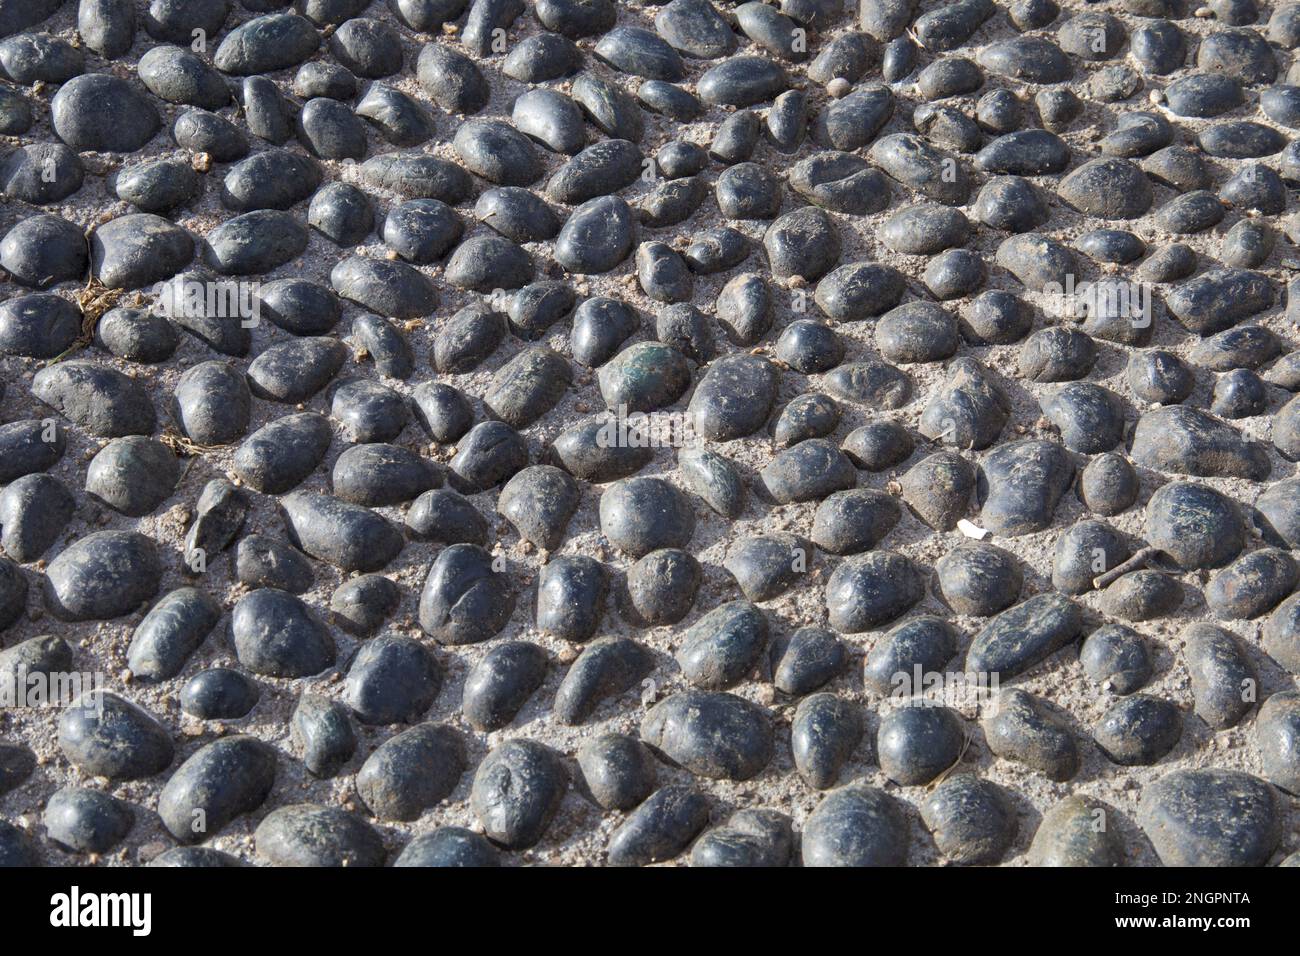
(1132, 564)
(94, 300)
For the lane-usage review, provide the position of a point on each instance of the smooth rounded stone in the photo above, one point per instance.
(137, 335)
(928, 170)
(972, 820)
(825, 731)
(1108, 485)
(13, 593)
(1187, 441)
(133, 475)
(711, 734)
(109, 736)
(102, 576)
(266, 44)
(369, 411)
(1159, 376)
(925, 229)
(43, 250)
(1110, 188)
(528, 386)
(644, 376)
(1058, 108)
(1138, 134)
(1246, 346)
(1116, 657)
(1168, 264)
(1139, 730)
(539, 501)
(1277, 512)
(840, 182)
(596, 237)
(807, 660)
(808, 416)
(588, 453)
(1030, 152)
(378, 474)
(696, 29)
(501, 682)
(331, 130)
(618, 771)
(1020, 485)
(917, 332)
(175, 21)
(978, 579)
(342, 213)
(1281, 104)
(1090, 418)
(607, 667)
(348, 536)
(878, 446)
(488, 455)
(1025, 729)
(220, 781)
(1111, 245)
(1247, 244)
(1057, 354)
(449, 847)
(804, 243)
(734, 398)
(516, 792)
(661, 586)
(751, 838)
(369, 48)
(542, 57)
(276, 635)
(1024, 635)
(859, 290)
(915, 744)
(107, 26)
(41, 325)
(41, 173)
(736, 138)
(856, 826)
(220, 513)
(469, 337)
(809, 471)
(1241, 54)
(465, 600)
(660, 828)
(34, 510)
(362, 604)
(938, 488)
(322, 732)
(179, 76)
(1210, 817)
(170, 633)
(218, 694)
(716, 250)
(970, 409)
(810, 346)
(103, 113)
(947, 127)
(555, 121)
(303, 834)
(686, 329)
(996, 317)
(422, 230)
(1085, 551)
(949, 76)
(392, 680)
(1252, 585)
(999, 111)
(850, 522)
(1203, 95)
(1286, 430)
(399, 118)
(1240, 140)
(451, 80)
(866, 591)
(1074, 833)
(608, 107)
(292, 372)
(742, 81)
(1195, 525)
(662, 274)
(748, 191)
(1029, 58)
(1190, 213)
(274, 179)
(1040, 263)
(411, 772)
(1282, 634)
(384, 287)
(721, 648)
(680, 159)
(517, 214)
(202, 132)
(86, 821)
(1276, 732)
(640, 52)
(670, 100)
(744, 308)
(138, 250)
(640, 515)
(852, 122)
(953, 274)
(319, 78)
(266, 111)
(896, 665)
(281, 454)
(1224, 681)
